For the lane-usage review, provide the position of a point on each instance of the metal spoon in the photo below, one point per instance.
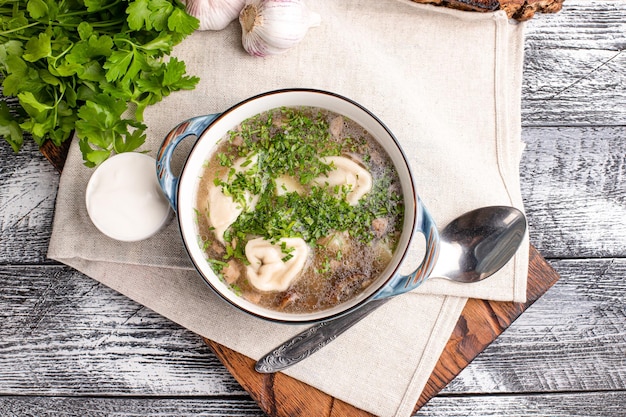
(473, 247)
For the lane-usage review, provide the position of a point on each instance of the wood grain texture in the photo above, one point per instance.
(56, 154)
(573, 66)
(516, 9)
(70, 346)
(553, 405)
(481, 322)
(553, 346)
(572, 180)
(66, 334)
(569, 78)
(127, 407)
(583, 352)
(27, 196)
(581, 25)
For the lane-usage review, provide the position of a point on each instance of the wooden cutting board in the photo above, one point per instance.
(480, 323)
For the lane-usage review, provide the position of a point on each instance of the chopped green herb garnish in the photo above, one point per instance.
(292, 145)
(236, 289)
(325, 267)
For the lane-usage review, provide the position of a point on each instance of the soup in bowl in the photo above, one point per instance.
(296, 205)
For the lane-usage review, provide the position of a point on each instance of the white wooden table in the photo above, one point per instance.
(70, 346)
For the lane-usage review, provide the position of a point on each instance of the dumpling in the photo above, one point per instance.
(223, 210)
(347, 172)
(286, 184)
(267, 270)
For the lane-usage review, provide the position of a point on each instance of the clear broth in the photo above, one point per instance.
(342, 263)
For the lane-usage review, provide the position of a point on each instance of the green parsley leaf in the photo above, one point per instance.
(139, 15)
(95, 5)
(32, 104)
(37, 8)
(117, 64)
(181, 22)
(161, 11)
(10, 128)
(79, 65)
(85, 30)
(37, 48)
(131, 142)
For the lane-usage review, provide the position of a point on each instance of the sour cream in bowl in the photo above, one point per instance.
(124, 200)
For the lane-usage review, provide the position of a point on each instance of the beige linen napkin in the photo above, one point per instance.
(447, 83)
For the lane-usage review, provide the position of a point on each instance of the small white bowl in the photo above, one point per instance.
(124, 199)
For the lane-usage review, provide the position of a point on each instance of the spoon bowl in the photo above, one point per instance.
(477, 244)
(472, 247)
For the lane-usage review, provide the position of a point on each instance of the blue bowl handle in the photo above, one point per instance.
(167, 180)
(400, 284)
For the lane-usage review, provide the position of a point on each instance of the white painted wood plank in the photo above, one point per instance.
(574, 66)
(28, 187)
(574, 87)
(581, 24)
(573, 182)
(571, 339)
(66, 334)
(553, 405)
(126, 407)
(600, 404)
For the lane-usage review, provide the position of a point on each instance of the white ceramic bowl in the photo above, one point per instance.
(181, 191)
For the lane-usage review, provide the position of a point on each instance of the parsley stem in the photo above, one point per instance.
(109, 23)
(57, 57)
(6, 32)
(56, 105)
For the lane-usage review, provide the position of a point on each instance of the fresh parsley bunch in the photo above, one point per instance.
(79, 64)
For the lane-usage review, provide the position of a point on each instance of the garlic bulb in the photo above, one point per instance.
(214, 14)
(273, 26)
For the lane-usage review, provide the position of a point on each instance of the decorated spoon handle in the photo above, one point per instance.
(312, 339)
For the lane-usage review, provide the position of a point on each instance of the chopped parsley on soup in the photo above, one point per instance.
(299, 209)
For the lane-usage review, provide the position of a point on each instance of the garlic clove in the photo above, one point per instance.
(271, 27)
(214, 14)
